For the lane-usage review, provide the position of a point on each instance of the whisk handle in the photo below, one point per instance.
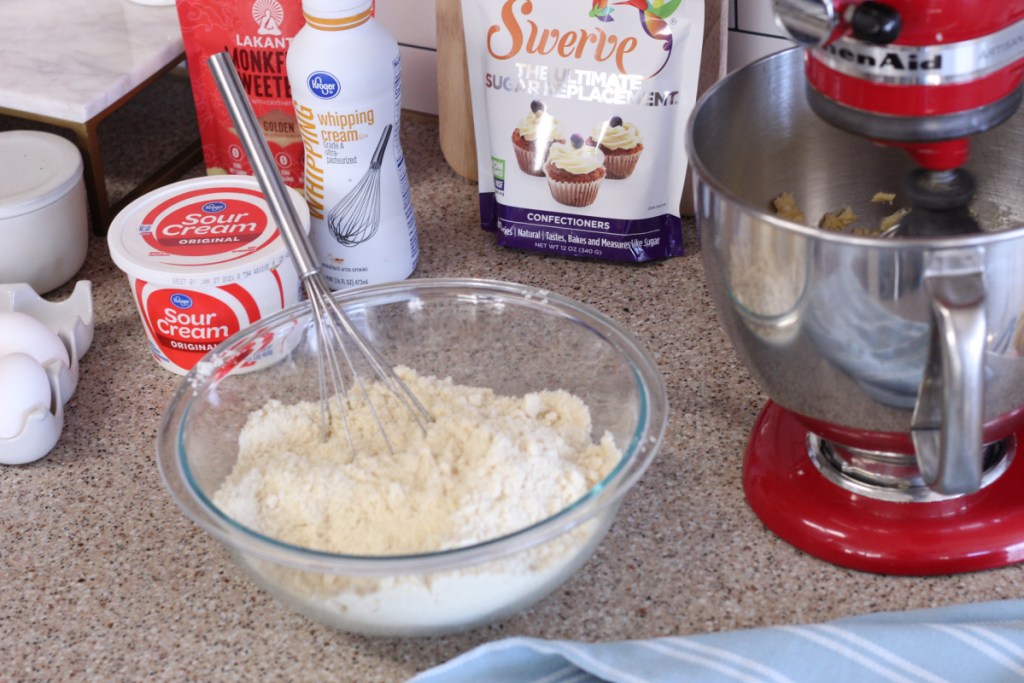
(263, 165)
(378, 154)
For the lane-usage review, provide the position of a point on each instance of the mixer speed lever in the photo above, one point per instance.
(874, 22)
(813, 23)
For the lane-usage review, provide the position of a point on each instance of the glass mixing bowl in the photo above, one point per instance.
(510, 338)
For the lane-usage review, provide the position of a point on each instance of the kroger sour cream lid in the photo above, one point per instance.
(204, 260)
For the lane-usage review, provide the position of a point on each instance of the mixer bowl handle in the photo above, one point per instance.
(947, 422)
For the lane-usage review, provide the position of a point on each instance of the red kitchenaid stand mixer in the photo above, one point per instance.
(923, 76)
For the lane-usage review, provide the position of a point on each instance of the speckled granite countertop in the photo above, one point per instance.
(104, 579)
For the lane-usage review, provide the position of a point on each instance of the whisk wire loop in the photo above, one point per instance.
(380, 367)
(331, 380)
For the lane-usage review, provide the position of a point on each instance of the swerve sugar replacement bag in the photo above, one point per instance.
(580, 108)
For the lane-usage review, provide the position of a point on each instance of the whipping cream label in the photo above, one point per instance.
(346, 79)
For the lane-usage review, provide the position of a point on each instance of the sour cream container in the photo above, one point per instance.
(204, 259)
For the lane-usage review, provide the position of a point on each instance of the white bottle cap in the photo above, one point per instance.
(336, 8)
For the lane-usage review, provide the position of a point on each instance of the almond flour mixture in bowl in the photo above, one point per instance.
(544, 413)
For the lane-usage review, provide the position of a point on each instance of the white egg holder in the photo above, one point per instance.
(72, 321)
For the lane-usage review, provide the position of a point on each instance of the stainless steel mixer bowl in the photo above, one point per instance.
(860, 334)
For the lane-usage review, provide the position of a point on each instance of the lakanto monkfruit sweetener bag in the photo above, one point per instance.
(257, 34)
(580, 108)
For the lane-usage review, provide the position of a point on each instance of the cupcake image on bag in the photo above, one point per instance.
(534, 136)
(575, 171)
(621, 144)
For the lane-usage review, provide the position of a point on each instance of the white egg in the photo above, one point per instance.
(24, 390)
(21, 333)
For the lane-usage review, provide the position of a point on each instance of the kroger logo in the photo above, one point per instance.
(214, 207)
(181, 300)
(322, 84)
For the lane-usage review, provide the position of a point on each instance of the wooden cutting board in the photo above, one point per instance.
(455, 113)
(454, 110)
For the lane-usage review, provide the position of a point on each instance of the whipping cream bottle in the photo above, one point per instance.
(345, 75)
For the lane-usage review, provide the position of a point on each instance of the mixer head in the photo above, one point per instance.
(922, 75)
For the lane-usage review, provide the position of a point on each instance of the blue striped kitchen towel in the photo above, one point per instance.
(977, 643)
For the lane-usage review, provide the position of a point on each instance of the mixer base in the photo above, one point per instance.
(794, 500)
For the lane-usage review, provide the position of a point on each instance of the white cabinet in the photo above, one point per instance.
(752, 32)
(413, 24)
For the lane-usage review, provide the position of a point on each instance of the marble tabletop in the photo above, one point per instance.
(71, 59)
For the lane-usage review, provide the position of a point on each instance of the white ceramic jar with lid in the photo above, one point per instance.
(204, 260)
(44, 216)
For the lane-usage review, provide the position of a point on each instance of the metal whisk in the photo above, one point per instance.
(356, 217)
(342, 348)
